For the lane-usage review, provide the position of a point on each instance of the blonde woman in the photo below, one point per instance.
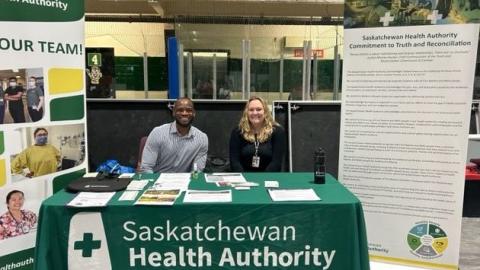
(258, 143)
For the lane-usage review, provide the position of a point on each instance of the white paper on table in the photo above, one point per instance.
(174, 176)
(236, 184)
(225, 177)
(128, 195)
(126, 175)
(137, 184)
(90, 174)
(172, 181)
(210, 196)
(283, 195)
(91, 199)
(245, 184)
(271, 184)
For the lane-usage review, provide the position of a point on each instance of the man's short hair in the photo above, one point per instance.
(184, 98)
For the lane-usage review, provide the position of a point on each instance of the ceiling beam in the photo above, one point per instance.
(217, 20)
(245, 8)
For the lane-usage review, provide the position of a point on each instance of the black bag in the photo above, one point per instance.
(95, 184)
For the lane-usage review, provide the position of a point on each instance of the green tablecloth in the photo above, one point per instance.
(250, 232)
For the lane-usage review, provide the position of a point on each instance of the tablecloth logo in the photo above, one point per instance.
(87, 243)
(427, 240)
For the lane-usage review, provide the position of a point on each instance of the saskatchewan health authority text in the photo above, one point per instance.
(199, 257)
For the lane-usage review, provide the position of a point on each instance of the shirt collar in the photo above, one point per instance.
(173, 130)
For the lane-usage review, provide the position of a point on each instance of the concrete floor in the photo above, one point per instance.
(470, 245)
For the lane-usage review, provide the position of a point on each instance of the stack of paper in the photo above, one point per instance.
(172, 181)
(158, 197)
(207, 196)
(283, 195)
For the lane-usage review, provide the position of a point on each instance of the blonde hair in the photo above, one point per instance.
(268, 123)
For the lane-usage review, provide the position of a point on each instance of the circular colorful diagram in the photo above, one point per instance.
(427, 240)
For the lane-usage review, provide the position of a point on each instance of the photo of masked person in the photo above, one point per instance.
(16, 221)
(13, 95)
(40, 159)
(35, 99)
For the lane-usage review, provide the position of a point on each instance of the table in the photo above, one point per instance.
(250, 232)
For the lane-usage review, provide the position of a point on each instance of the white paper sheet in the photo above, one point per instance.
(225, 177)
(172, 181)
(91, 199)
(284, 195)
(90, 174)
(210, 196)
(173, 176)
(137, 184)
(271, 184)
(126, 175)
(128, 195)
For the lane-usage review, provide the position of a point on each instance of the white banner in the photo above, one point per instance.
(405, 115)
(42, 115)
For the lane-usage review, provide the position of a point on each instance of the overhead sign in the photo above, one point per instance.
(315, 52)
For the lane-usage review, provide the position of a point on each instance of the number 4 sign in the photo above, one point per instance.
(94, 59)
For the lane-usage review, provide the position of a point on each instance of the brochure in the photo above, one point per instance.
(158, 197)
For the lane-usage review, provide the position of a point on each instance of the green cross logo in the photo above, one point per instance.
(87, 245)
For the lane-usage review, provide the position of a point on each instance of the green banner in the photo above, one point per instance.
(20, 260)
(41, 10)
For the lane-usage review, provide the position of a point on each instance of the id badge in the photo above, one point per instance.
(255, 161)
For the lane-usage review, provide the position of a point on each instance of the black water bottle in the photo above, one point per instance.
(319, 166)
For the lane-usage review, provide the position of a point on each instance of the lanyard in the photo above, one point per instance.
(256, 143)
